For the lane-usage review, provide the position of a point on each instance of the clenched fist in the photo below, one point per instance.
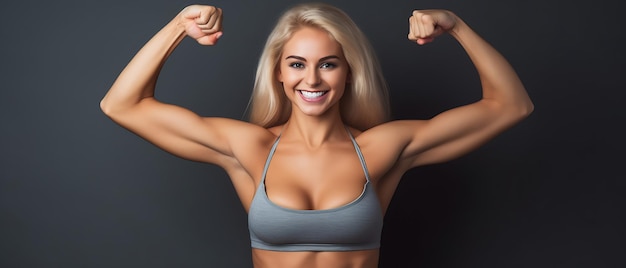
(202, 23)
(425, 25)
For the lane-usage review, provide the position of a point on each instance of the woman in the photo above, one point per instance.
(319, 161)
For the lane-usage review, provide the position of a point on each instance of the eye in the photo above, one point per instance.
(327, 65)
(297, 65)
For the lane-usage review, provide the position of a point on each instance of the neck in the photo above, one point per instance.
(314, 131)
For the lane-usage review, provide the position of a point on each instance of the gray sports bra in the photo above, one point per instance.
(354, 226)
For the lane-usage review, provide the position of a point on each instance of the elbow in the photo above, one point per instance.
(117, 110)
(514, 112)
(528, 107)
(524, 109)
(105, 107)
(108, 108)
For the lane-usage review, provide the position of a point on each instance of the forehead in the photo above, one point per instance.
(312, 42)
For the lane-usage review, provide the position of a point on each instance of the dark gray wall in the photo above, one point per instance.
(76, 190)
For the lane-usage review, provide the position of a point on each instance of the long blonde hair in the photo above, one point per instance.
(366, 100)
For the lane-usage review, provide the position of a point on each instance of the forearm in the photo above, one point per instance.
(138, 79)
(499, 80)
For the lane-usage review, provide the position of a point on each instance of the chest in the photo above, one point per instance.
(318, 201)
(302, 179)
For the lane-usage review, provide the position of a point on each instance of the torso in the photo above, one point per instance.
(303, 179)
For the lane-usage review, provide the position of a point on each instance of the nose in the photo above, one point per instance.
(312, 77)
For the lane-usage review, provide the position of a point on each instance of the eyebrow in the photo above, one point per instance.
(303, 59)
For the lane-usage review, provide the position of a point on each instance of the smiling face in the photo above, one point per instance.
(313, 71)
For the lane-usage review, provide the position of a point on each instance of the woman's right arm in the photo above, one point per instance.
(130, 101)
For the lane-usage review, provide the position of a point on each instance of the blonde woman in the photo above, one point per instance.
(319, 161)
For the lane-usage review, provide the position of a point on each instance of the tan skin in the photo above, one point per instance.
(315, 165)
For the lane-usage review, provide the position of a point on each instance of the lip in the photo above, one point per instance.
(315, 99)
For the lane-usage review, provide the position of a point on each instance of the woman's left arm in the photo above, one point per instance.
(457, 131)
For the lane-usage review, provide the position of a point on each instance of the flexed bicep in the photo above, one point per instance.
(131, 103)
(504, 99)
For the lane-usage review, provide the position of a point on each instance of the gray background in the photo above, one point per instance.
(76, 190)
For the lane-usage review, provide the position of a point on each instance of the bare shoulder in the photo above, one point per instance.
(238, 147)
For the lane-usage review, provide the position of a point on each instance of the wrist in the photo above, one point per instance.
(459, 27)
(175, 28)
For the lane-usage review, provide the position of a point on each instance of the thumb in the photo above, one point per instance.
(210, 39)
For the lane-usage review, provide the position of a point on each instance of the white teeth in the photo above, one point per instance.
(310, 94)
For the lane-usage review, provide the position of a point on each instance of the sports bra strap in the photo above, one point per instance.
(269, 159)
(361, 158)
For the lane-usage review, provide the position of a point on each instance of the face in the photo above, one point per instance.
(313, 71)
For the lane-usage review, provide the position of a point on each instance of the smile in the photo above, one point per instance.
(312, 95)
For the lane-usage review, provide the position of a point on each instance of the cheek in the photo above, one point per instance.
(287, 77)
(288, 88)
(340, 81)
(288, 84)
